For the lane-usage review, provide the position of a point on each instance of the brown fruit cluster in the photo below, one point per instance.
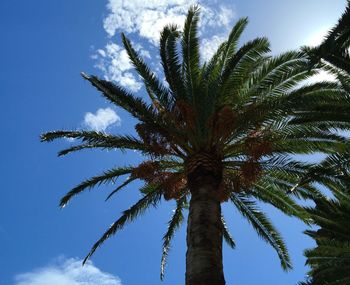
(156, 141)
(172, 183)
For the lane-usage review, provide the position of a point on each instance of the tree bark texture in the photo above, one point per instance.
(204, 235)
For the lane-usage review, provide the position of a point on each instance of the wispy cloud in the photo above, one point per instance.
(145, 20)
(209, 46)
(114, 62)
(67, 272)
(102, 119)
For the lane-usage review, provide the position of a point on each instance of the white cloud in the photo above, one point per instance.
(67, 272)
(147, 18)
(114, 62)
(209, 46)
(102, 119)
(225, 16)
(216, 17)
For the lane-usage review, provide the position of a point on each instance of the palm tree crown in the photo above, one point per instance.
(234, 122)
(335, 47)
(330, 259)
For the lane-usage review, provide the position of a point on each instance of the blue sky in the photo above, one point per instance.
(44, 47)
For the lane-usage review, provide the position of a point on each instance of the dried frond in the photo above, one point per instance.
(185, 113)
(156, 141)
(146, 171)
(250, 172)
(224, 191)
(223, 122)
(173, 184)
(257, 149)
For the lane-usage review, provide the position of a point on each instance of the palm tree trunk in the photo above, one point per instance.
(204, 235)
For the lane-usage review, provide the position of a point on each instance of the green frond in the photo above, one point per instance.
(93, 139)
(284, 173)
(284, 166)
(330, 259)
(212, 69)
(252, 50)
(307, 146)
(125, 183)
(292, 188)
(271, 194)
(150, 199)
(308, 132)
(190, 52)
(233, 89)
(226, 234)
(340, 33)
(339, 60)
(273, 110)
(81, 147)
(263, 227)
(334, 48)
(120, 97)
(329, 169)
(154, 87)
(171, 61)
(106, 177)
(279, 75)
(314, 94)
(232, 42)
(174, 223)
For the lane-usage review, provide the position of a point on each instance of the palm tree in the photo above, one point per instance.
(223, 130)
(335, 47)
(330, 259)
(332, 55)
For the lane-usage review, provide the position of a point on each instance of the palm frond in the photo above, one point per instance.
(174, 223)
(232, 42)
(150, 199)
(226, 234)
(94, 139)
(106, 177)
(154, 87)
(330, 259)
(190, 52)
(263, 227)
(125, 183)
(279, 199)
(171, 61)
(120, 97)
(251, 49)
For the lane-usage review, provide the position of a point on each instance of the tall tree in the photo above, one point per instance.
(335, 47)
(224, 130)
(330, 259)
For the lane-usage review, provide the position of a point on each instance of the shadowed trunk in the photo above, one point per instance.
(204, 235)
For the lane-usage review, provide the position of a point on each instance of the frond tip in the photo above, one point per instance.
(151, 199)
(174, 223)
(106, 177)
(84, 75)
(226, 234)
(263, 226)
